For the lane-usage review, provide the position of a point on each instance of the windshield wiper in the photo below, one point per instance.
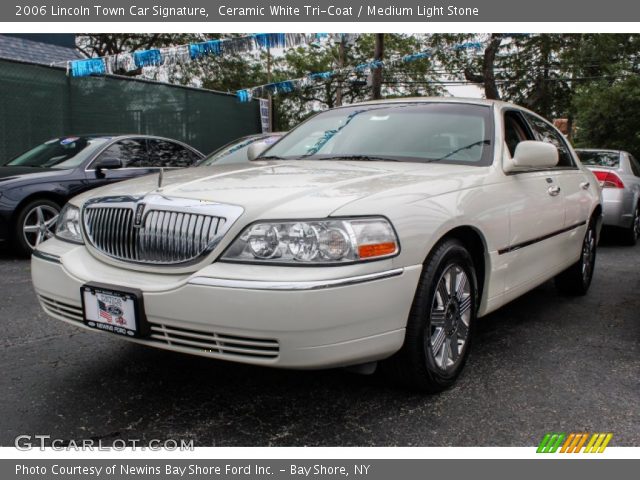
(486, 141)
(365, 158)
(270, 157)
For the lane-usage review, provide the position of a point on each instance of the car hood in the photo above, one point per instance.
(10, 175)
(288, 189)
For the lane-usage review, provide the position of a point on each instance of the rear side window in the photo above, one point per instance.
(599, 158)
(132, 152)
(163, 153)
(635, 166)
(545, 132)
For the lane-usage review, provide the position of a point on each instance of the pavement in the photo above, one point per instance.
(543, 363)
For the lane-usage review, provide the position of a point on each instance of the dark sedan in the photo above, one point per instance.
(36, 184)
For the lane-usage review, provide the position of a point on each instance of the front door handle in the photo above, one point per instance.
(585, 185)
(554, 190)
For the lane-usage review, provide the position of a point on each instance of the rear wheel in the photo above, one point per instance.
(36, 223)
(630, 235)
(441, 321)
(577, 278)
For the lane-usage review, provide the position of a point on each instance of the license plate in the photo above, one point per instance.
(112, 311)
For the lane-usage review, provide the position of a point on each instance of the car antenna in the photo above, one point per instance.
(160, 178)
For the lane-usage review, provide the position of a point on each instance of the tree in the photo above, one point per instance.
(541, 71)
(487, 77)
(608, 115)
(409, 79)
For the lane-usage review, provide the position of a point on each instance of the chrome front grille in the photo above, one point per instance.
(168, 232)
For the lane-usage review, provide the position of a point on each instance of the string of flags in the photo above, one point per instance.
(126, 62)
(288, 86)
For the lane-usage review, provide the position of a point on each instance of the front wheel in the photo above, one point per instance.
(440, 325)
(36, 223)
(577, 278)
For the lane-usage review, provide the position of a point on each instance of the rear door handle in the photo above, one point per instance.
(554, 190)
(585, 185)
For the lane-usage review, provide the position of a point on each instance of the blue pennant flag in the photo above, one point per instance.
(415, 56)
(212, 47)
(373, 65)
(280, 87)
(147, 58)
(243, 95)
(285, 87)
(469, 45)
(90, 66)
(271, 40)
(321, 75)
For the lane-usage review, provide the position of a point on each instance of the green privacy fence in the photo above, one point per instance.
(39, 102)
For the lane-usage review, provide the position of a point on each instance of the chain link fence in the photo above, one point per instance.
(38, 103)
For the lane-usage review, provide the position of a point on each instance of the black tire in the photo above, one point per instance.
(630, 235)
(416, 365)
(576, 279)
(24, 242)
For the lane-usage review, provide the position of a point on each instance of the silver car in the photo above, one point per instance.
(618, 173)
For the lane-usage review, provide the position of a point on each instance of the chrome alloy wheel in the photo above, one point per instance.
(450, 317)
(588, 254)
(39, 224)
(636, 223)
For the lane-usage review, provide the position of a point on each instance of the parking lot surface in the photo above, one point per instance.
(543, 363)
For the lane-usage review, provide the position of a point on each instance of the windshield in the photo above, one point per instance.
(60, 153)
(236, 151)
(417, 132)
(599, 158)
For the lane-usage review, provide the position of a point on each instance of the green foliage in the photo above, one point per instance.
(608, 115)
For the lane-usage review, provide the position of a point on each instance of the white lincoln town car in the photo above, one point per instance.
(376, 231)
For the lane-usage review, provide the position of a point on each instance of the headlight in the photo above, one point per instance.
(315, 242)
(68, 226)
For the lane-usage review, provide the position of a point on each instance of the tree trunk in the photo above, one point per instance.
(487, 78)
(490, 88)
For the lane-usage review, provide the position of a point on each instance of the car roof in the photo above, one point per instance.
(120, 136)
(465, 100)
(114, 135)
(603, 150)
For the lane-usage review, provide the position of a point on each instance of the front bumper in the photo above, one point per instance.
(341, 317)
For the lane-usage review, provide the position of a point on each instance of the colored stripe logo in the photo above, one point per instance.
(574, 442)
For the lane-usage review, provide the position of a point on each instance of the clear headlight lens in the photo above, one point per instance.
(315, 241)
(68, 225)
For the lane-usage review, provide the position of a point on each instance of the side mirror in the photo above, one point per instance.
(535, 154)
(109, 163)
(256, 149)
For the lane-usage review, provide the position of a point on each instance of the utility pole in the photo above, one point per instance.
(341, 47)
(376, 73)
(269, 96)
